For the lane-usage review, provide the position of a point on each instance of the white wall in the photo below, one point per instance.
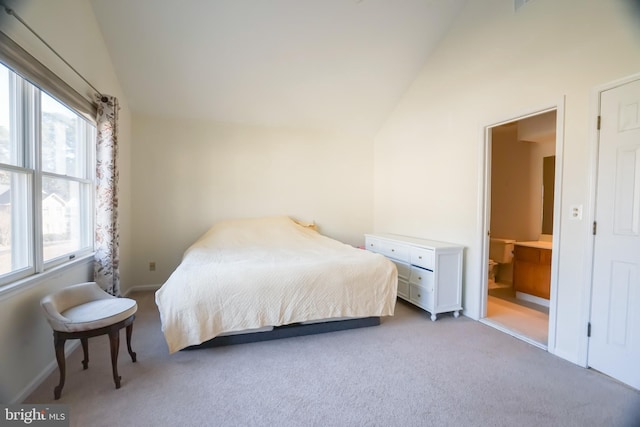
(26, 341)
(495, 65)
(189, 174)
(517, 153)
(513, 215)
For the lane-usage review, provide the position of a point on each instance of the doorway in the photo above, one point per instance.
(522, 170)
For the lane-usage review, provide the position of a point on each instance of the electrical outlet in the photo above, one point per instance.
(576, 212)
(152, 266)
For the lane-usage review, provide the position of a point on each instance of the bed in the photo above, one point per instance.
(253, 275)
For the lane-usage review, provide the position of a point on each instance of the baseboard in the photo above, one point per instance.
(568, 357)
(532, 298)
(142, 288)
(48, 370)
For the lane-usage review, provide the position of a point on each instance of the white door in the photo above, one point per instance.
(614, 346)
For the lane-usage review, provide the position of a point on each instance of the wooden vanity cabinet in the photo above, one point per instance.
(532, 270)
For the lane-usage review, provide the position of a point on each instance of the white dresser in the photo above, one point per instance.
(429, 272)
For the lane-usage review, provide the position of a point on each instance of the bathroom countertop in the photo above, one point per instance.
(536, 244)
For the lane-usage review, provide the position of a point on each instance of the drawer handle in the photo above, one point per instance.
(420, 257)
(419, 278)
(370, 244)
(419, 296)
(393, 250)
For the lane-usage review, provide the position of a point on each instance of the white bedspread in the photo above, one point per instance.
(251, 273)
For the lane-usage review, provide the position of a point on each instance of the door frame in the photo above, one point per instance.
(594, 138)
(484, 183)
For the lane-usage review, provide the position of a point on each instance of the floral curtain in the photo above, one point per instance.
(106, 271)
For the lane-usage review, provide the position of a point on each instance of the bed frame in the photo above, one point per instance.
(288, 331)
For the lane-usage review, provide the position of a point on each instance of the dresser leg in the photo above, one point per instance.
(456, 314)
(433, 317)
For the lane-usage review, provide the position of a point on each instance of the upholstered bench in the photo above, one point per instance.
(83, 311)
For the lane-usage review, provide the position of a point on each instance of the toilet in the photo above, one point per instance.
(500, 252)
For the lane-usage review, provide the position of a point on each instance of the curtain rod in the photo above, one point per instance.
(13, 13)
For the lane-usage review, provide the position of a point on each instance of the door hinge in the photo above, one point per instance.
(588, 329)
(599, 122)
(594, 227)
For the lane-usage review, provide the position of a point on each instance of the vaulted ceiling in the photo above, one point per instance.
(337, 65)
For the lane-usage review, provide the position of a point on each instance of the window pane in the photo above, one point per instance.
(64, 220)
(15, 223)
(63, 139)
(6, 143)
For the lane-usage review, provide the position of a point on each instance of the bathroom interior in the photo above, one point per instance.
(521, 226)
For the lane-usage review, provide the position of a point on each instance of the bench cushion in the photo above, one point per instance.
(98, 314)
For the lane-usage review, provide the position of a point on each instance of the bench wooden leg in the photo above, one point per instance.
(85, 351)
(114, 341)
(58, 343)
(113, 331)
(131, 352)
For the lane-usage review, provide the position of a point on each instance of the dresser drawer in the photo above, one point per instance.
(388, 248)
(403, 270)
(403, 288)
(422, 257)
(372, 244)
(394, 250)
(421, 277)
(420, 296)
(429, 271)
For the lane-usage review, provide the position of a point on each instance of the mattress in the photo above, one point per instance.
(256, 273)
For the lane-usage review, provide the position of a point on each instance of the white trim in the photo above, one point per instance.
(42, 376)
(532, 298)
(484, 211)
(525, 114)
(594, 140)
(27, 238)
(9, 291)
(571, 357)
(142, 288)
(557, 222)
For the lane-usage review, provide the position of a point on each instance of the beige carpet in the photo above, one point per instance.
(408, 371)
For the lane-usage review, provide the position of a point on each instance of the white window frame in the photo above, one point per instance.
(26, 116)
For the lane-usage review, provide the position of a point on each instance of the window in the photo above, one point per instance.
(46, 180)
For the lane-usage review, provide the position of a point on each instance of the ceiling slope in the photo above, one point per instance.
(337, 65)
